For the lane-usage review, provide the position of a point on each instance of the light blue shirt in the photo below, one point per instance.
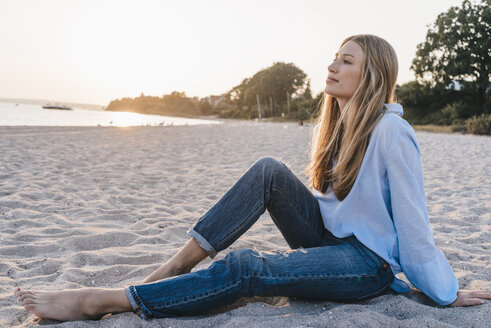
(386, 210)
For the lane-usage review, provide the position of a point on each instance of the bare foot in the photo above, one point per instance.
(78, 304)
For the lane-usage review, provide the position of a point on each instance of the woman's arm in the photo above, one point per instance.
(421, 261)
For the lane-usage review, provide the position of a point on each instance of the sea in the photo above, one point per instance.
(17, 114)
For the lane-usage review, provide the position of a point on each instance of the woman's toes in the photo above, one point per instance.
(27, 300)
(24, 293)
(23, 297)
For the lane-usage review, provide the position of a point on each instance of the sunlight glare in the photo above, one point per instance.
(125, 119)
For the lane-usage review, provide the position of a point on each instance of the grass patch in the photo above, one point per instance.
(440, 128)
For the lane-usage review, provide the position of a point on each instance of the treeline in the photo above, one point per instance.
(424, 104)
(281, 90)
(452, 85)
(174, 104)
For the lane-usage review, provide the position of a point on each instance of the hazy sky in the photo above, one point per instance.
(95, 51)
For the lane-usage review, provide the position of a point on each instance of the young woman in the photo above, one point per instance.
(366, 221)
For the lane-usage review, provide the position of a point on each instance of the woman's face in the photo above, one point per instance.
(345, 72)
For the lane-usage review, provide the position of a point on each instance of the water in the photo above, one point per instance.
(34, 115)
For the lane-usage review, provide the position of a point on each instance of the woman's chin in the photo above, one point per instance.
(331, 90)
(330, 93)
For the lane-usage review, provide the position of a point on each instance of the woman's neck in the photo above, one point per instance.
(342, 106)
(342, 103)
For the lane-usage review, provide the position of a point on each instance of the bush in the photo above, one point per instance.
(452, 113)
(300, 115)
(206, 108)
(246, 114)
(305, 109)
(479, 124)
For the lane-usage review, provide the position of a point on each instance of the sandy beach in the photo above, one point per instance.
(104, 207)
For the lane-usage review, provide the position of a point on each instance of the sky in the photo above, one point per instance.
(95, 51)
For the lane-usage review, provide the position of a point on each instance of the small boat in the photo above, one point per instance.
(56, 106)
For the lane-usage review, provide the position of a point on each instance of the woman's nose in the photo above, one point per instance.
(331, 68)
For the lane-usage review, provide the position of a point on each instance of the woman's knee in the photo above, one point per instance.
(271, 164)
(242, 258)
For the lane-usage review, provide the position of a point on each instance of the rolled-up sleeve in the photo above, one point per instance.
(422, 262)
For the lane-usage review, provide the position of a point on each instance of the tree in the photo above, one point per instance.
(456, 52)
(307, 94)
(272, 85)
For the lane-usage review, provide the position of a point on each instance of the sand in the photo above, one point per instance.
(101, 207)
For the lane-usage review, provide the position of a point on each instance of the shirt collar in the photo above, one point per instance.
(394, 108)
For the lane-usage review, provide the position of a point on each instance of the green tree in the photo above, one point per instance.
(457, 51)
(271, 85)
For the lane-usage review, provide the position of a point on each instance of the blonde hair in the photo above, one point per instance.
(344, 135)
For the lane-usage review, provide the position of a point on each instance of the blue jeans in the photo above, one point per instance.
(320, 266)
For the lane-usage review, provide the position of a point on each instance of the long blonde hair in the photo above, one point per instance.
(344, 135)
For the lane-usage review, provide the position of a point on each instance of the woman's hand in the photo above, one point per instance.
(471, 297)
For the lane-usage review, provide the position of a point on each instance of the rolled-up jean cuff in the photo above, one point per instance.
(136, 303)
(203, 243)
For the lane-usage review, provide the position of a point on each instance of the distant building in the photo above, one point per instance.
(455, 85)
